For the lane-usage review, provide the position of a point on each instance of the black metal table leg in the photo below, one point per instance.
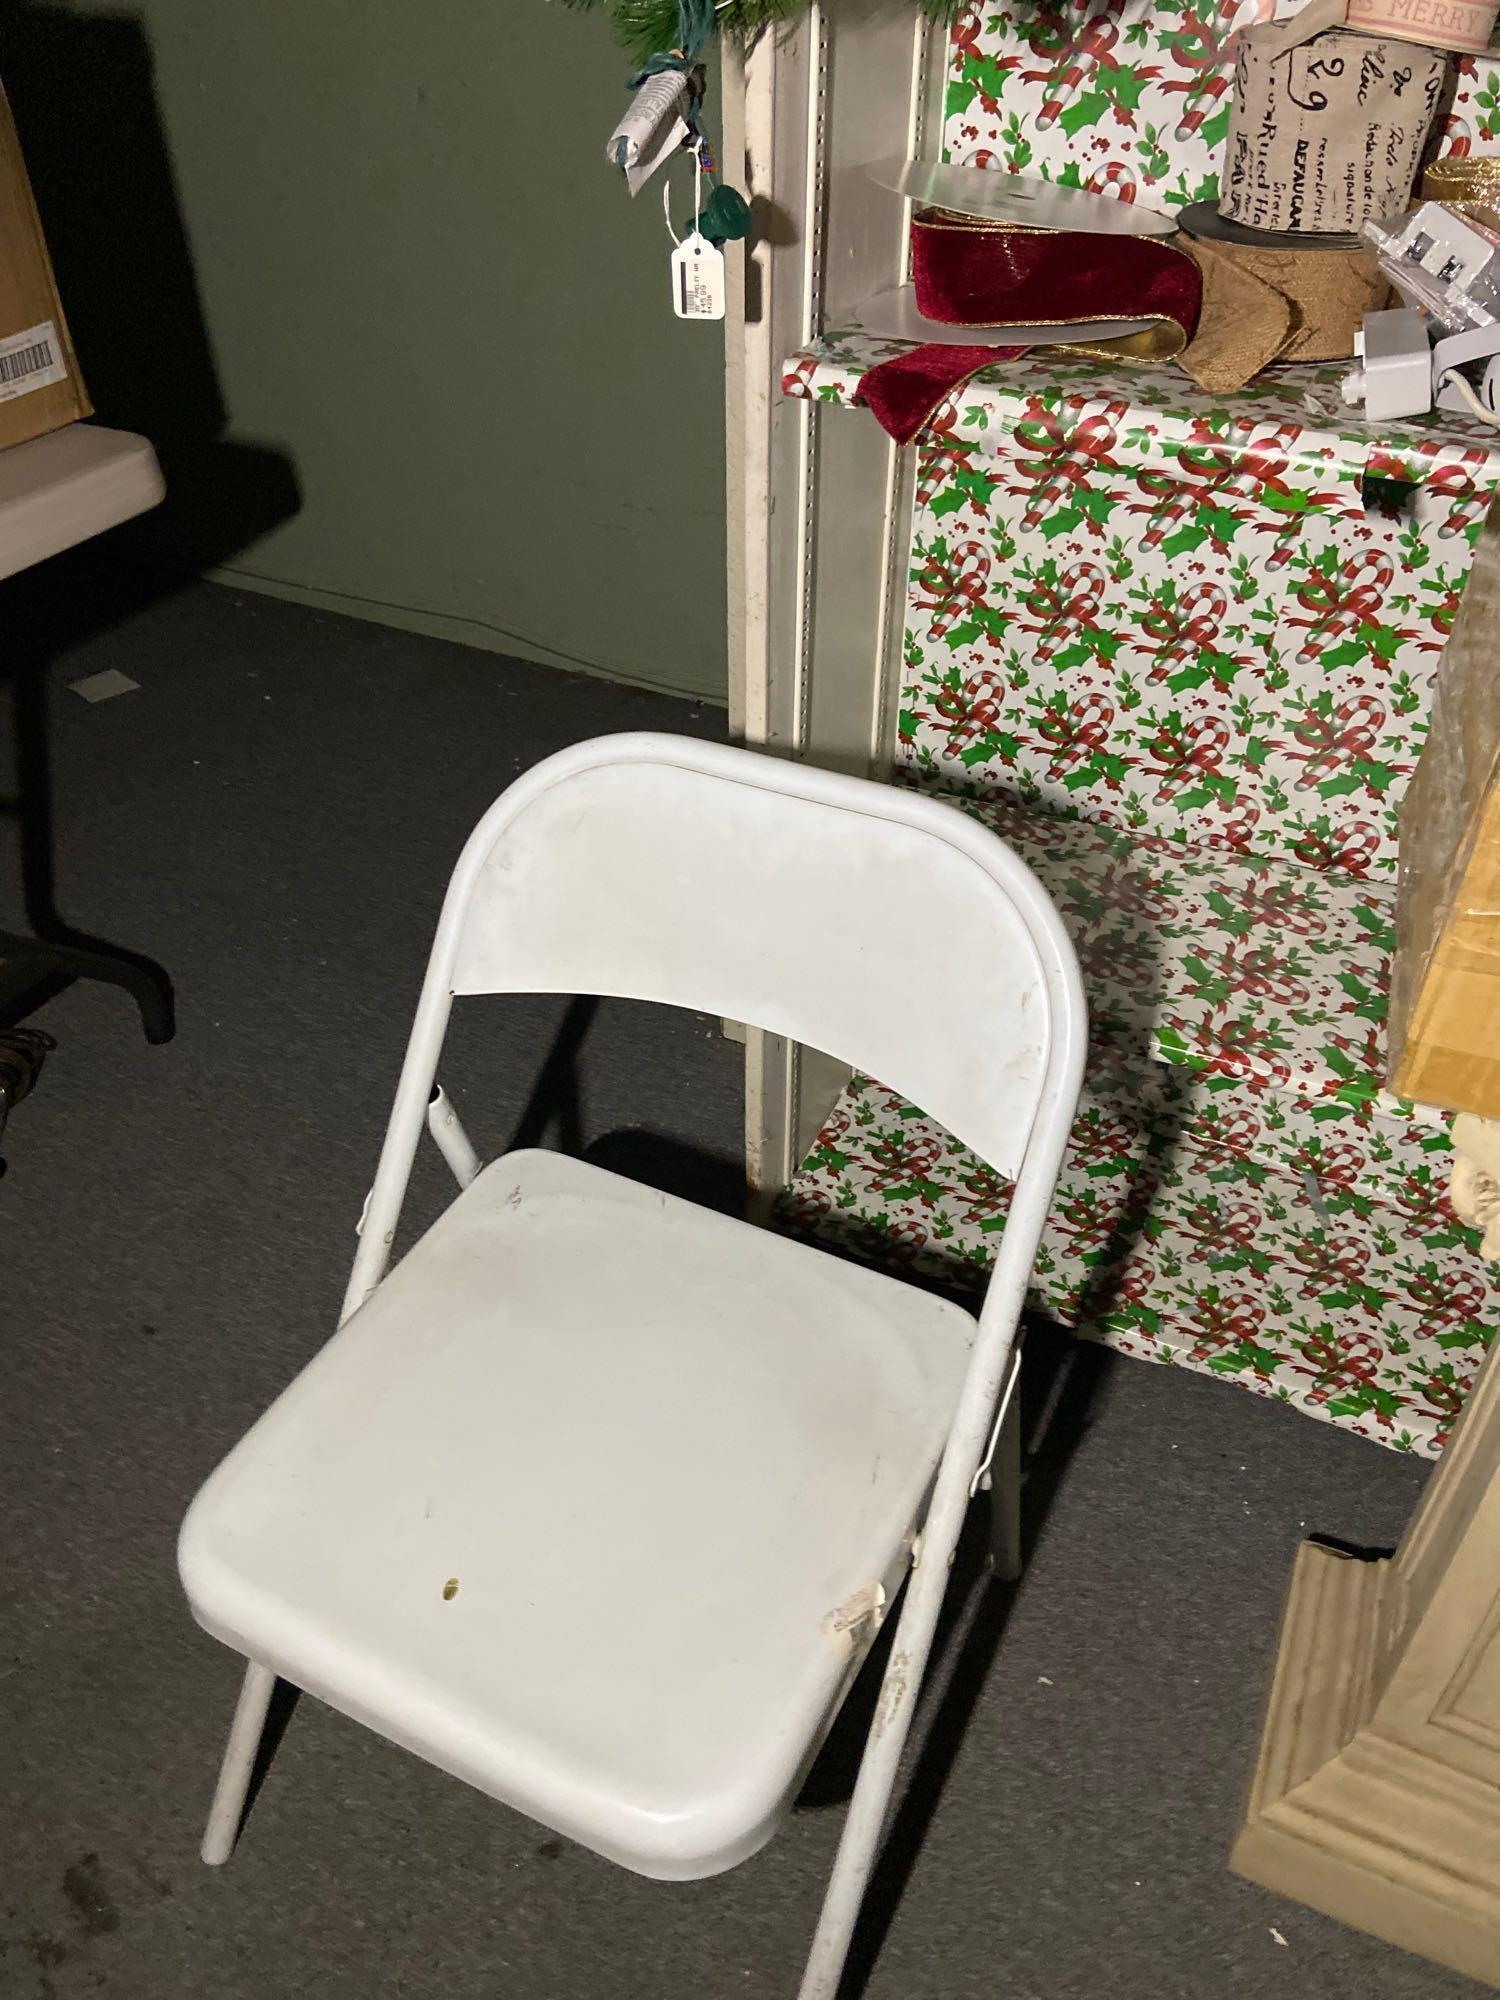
(34, 967)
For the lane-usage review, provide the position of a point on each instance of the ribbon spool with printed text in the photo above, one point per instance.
(1326, 126)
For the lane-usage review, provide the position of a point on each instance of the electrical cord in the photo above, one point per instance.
(1453, 378)
(317, 594)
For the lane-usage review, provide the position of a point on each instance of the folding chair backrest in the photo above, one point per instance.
(884, 928)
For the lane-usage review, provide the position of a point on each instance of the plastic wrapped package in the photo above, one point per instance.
(1445, 982)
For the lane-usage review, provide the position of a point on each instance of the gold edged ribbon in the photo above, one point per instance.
(976, 271)
(1469, 183)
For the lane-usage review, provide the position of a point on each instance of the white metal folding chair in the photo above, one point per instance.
(597, 1499)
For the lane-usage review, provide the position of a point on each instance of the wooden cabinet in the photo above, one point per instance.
(1376, 1796)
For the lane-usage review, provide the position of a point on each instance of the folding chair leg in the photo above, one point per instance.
(888, 1733)
(452, 1139)
(1005, 1497)
(225, 1813)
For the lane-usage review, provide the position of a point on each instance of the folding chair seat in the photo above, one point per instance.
(594, 1503)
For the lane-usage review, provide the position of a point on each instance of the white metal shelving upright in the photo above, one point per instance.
(819, 513)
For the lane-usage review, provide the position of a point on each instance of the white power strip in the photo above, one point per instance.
(1444, 263)
(1396, 379)
(1405, 374)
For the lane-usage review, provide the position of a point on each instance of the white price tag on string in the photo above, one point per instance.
(697, 279)
(697, 264)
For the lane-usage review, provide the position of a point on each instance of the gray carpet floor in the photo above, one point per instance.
(273, 815)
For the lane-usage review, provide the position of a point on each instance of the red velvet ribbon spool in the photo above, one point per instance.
(971, 272)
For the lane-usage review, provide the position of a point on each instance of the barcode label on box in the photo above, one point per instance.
(30, 360)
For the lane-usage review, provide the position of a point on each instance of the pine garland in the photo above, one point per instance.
(645, 28)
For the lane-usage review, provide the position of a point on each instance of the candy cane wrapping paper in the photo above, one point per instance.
(1369, 1315)
(1135, 93)
(1141, 651)
(1128, 692)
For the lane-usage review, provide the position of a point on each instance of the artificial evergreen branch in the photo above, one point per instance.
(646, 28)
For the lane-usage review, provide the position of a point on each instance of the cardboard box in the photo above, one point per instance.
(1445, 982)
(40, 386)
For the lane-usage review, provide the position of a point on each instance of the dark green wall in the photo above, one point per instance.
(423, 289)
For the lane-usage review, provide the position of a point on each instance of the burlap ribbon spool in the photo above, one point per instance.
(1261, 306)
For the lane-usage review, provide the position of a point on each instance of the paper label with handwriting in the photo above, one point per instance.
(651, 130)
(1327, 127)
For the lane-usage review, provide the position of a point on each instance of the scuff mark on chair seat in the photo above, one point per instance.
(858, 1617)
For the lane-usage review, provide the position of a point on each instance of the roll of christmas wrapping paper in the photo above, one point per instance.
(969, 271)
